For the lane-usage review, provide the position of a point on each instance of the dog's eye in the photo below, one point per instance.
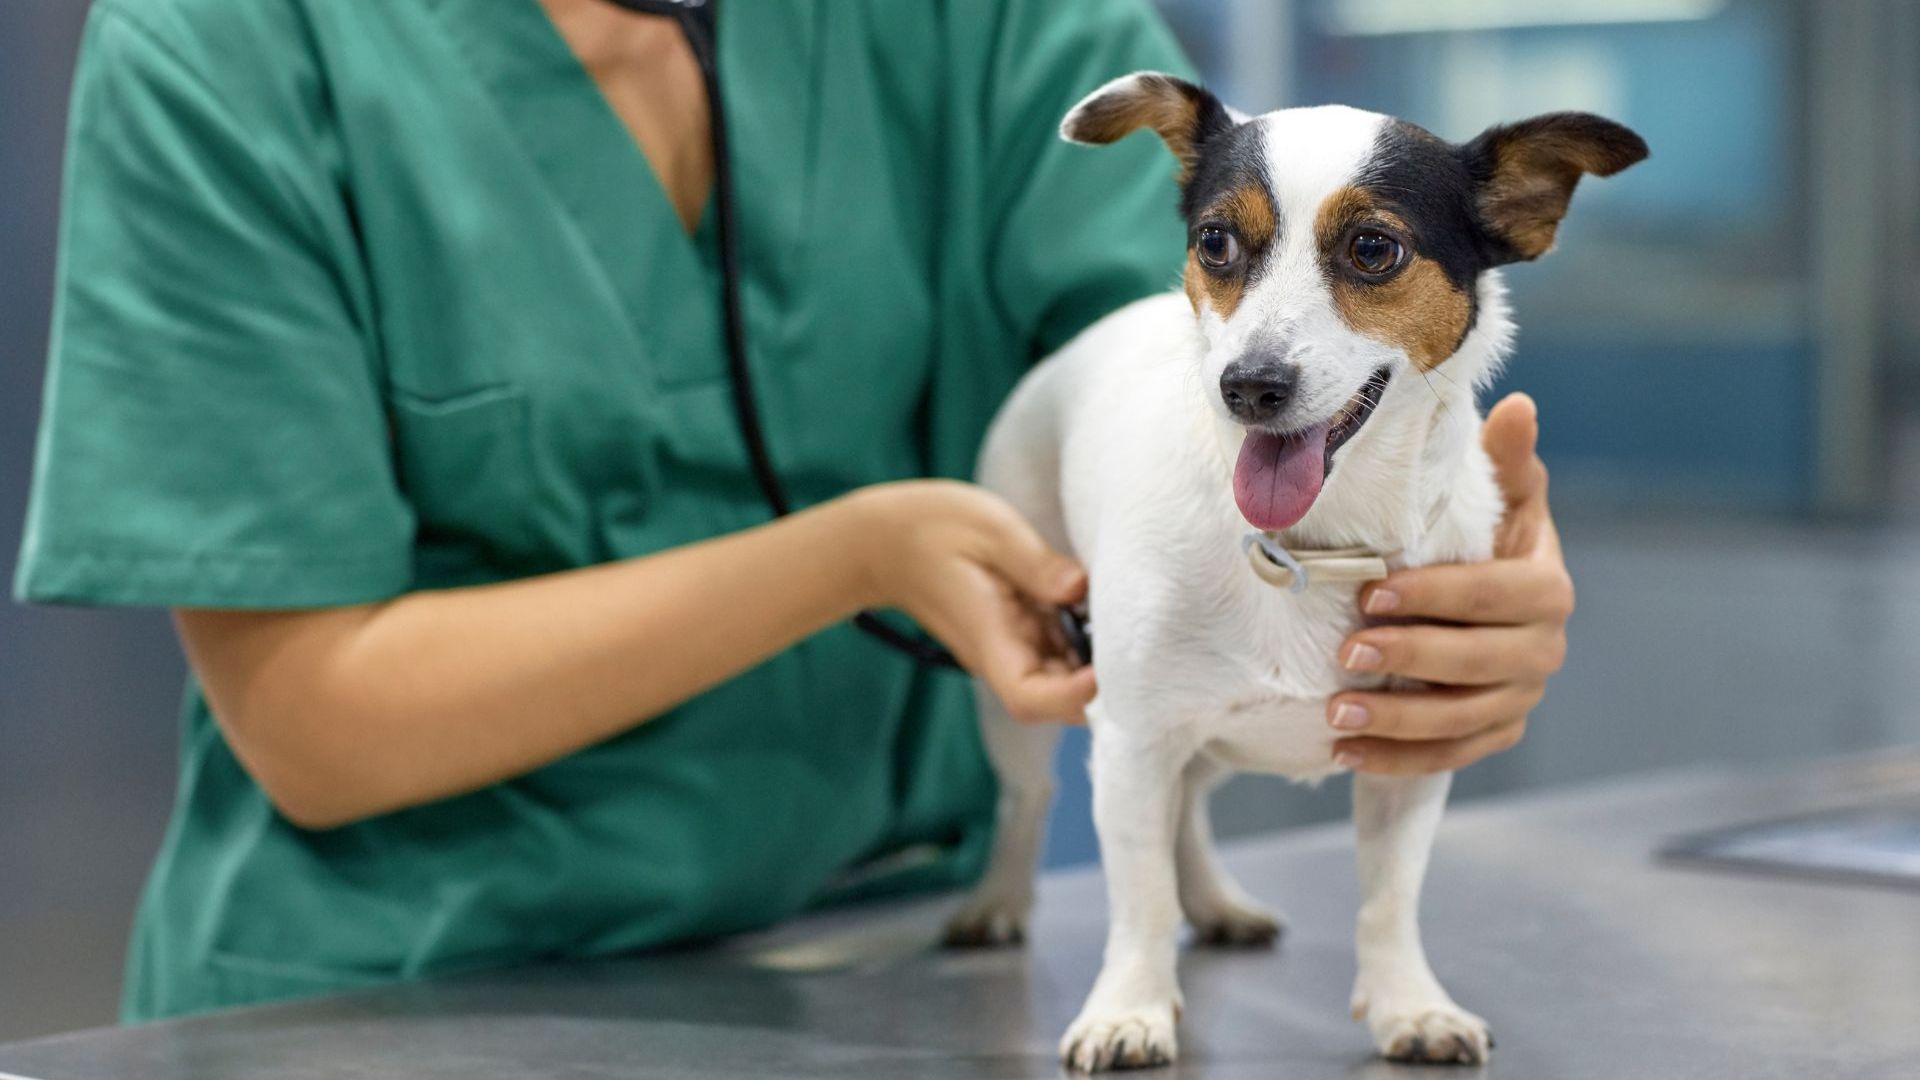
(1374, 252)
(1217, 247)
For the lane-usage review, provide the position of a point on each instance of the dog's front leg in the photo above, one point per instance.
(1410, 1014)
(1128, 1019)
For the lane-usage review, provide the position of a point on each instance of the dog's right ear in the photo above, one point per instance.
(1184, 115)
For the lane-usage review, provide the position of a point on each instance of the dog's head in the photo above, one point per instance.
(1330, 249)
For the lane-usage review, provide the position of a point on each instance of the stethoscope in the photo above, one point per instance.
(696, 21)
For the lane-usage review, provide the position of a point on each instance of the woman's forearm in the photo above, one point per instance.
(345, 713)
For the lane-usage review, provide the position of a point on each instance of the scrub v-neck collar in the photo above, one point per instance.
(600, 174)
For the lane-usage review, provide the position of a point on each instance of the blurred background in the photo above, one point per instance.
(1724, 353)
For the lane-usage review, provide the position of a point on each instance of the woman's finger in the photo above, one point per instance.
(1441, 712)
(1390, 757)
(1510, 435)
(1011, 650)
(1021, 555)
(1456, 655)
(1042, 692)
(1503, 592)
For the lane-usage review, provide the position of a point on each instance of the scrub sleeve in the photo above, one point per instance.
(360, 297)
(213, 432)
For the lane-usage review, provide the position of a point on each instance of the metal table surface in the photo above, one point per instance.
(1546, 914)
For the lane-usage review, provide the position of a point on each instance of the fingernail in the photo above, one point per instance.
(1361, 657)
(1066, 579)
(1350, 717)
(1382, 602)
(1349, 759)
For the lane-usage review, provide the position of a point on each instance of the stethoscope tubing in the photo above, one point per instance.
(696, 21)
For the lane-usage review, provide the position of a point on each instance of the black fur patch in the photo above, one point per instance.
(1442, 190)
(1230, 157)
(1424, 179)
(1234, 157)
(1211, 120)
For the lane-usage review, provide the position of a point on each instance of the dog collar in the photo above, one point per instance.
(1281, 568)
(1296, 570)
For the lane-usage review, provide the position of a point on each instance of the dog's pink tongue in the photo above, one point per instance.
(1278, 477)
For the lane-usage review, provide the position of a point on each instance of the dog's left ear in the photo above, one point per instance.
(1184, 115)
(1524, 175)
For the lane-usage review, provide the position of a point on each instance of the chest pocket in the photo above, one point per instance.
(465, 463)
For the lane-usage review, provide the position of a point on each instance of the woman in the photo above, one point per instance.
(389, 355)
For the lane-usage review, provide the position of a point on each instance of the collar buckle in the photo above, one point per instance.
(1270, 561)
(1296, 571)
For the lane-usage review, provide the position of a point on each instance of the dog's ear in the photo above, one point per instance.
(1524, 175)
(1184, 115)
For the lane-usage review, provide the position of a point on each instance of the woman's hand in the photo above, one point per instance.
(977, 576)
(1487, 638)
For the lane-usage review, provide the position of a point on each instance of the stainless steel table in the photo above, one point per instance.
(1546, 914)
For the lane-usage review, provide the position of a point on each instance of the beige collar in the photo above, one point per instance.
(1294, 571)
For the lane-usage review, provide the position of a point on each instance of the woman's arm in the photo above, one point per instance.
(1495, 631)
(344, 713)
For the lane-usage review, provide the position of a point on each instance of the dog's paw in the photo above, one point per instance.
(1435, 1032)
(987, 923)
(1230, 922)
(1120, 1039)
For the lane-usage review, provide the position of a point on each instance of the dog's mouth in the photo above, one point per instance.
(1279, 475)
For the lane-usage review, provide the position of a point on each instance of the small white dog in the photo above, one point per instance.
(1336, 259)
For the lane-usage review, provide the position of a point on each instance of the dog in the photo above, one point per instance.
(1221, 459)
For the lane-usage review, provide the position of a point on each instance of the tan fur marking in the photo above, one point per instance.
(1223, 295)
(1250, 210)
(1341, 209)
(1155, 102)
(1536, 165)
(1525, 203)
(1417, 310)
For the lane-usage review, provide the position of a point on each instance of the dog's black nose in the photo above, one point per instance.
(1256, 391)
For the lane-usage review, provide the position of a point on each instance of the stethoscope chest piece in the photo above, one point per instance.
(1078, 631)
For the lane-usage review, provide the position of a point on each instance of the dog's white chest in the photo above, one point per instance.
(1267, 712)
(1273, 734)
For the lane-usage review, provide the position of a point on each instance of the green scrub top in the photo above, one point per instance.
(359, 297)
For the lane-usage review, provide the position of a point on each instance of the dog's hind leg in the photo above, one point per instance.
(1411, 1016)
(1128, 1019)
(1020, 461)
(1218, 909)
(1022, 756)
